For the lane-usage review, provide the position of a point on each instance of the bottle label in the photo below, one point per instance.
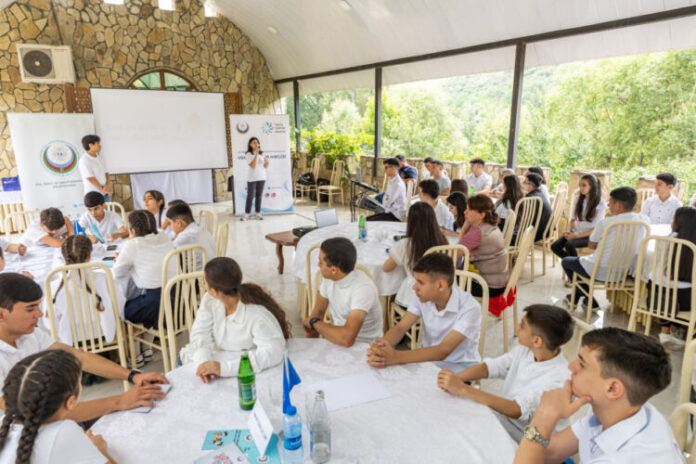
(247, 393)
(292, 443)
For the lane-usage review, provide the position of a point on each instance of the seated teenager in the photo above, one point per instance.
(512, 194)
(486, 245)
(621, 203)
(532, 184)
(407, 172)
(41, 392)
(189, 233)
(422, 233)
(587, 209)
(20, 249)
(499, 188)
(660, 208)
(350, 295)
(456, 202)
(50, 230)
(543, 188)
(429, 193)
(428, 165)
(478, 179)
(153, 201)
(616, 373)
(77, 249)
(394, 199)
(108, 223)
(234, 316)
(451, 320)
(20, 312)
(440, 176)
(528, 370)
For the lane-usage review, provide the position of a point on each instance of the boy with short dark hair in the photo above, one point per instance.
(440, 176)
(95, 178)
(349, 294)
(393, 199)
(188, 232)
(451, 320)
(478, 179)
(108, 223)
(429, 192)
(660, 208)
(50, 230)
(616, 373)
(531, 368)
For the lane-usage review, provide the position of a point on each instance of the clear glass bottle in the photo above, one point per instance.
(320, 431)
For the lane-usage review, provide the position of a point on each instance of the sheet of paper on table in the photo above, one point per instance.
(229, 453)
(145, 409)
(350, 391)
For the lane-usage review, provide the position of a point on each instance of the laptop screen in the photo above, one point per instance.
(326, 217)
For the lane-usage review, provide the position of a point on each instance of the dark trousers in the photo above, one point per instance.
(683, 299)
(144, 308)
(254, 193)
(571, 265)
(380, 196)
(564, 247)
(389, 217)
(477, 291)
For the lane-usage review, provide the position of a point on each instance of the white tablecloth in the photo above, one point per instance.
(371, 253)
(418, 424)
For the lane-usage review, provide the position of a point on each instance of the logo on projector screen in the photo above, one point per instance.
(242, 127)
(267, 128)
(59, 157)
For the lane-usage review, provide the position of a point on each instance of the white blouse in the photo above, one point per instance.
(582, 225)
(141, 258)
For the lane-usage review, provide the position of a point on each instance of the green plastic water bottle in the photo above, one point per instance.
(472, 192)
(247, 383)
(362, 228)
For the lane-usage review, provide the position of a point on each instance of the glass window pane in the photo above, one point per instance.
(174, 82)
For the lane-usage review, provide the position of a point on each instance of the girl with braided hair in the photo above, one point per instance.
(77, 249)
(39, 393)
(234, 316)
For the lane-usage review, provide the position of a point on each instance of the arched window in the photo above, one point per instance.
(162, 79)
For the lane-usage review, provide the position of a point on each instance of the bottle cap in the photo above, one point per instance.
(292, 410)
(320, 394)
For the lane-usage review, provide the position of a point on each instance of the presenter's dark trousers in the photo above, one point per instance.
(254, 192)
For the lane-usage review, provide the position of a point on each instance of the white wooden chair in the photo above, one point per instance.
(308, 286)
(663, 268)
(453, 252)
(85, 309)
(179, 314)
(621, 257)
(465, 280)
(209, 220)
(574, 345)
(679, 420)
(410, 192)
(5, 210)
(524, 244)
(528, 213)
(509, 227)
(562, 187)
(335, 186)
(552, 229)
(19, 221)
(317, 282)
(314, 169)
(117, 208)
(644, 194)
(221, 239)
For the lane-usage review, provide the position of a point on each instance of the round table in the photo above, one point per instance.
(371, 253)
(418, 423)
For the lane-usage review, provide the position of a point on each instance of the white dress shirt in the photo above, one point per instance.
(394, 200)
(252, 327)
(644, 438)
(141, 259)
(194, 234)
(658, 211)
(26, 345)
(110, 224)
(479, 183)
(92, 166)
(526, 380)
(34, 233)
(582, 225)
(462, 314)
(444, 215)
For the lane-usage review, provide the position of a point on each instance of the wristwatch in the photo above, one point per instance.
(132, 374)
(532, 434)
(313, 321)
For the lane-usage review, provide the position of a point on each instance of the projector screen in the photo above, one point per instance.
(159, 130)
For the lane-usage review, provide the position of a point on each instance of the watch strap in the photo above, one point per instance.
(132, 374)
(313, 321)
(532, 434)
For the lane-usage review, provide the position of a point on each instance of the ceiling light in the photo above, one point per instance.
(209, 10)
(166, 5)
(272, 30)
(344, 5)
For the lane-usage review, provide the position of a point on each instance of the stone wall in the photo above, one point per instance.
(111, 44)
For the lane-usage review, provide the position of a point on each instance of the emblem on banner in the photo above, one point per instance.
(267, 128)
(242, 127)
(59, 157)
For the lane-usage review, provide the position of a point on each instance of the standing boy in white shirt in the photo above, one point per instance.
(530, 369)
(616, 373)
(190, 233)
(394, 198)
(429, 192)
(50, 230)
(479, 180)
(350, 295)
(109, 224)
(660, 208)
(451, 320)
(92, 169)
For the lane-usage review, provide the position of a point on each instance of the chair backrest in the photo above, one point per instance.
(453, 251)
(410, 192)
(528, 213)
(509, 227)
(221, 239)
(644, 194)
(465, 280)
(572, 348)
(85, 308)
(209, 220)
(384, 183)
(687, 371)
(19, 221)
(317, 281)
(337, 173)
(183, 296)
(557, 211)
(562, 187)
(679, 421)
(117, 208)
(569, 203)
(311, 290)
(182, 261)
(622, 253)
(315, 167)
(525, 244)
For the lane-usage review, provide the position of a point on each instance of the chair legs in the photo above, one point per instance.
(514, 317)
(543, 259)
(531, 261)
(505, 332)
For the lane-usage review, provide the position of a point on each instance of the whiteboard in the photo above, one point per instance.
(159, 130)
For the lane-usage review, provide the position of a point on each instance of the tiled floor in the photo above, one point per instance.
(258, 260)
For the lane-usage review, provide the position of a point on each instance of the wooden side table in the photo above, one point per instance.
(282, 239)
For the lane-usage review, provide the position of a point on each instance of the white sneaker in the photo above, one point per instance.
(244, 218)
(671, 342)
(259, 216)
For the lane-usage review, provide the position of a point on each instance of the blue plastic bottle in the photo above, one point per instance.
(292, 442)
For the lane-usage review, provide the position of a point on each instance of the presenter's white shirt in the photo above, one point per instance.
(34, 233)
(444, 216)
(658, 211)
(644, 438)
(257, 173)
(194, 234)
(479, 183)
(110, 224)
(462, 314)
(60, 442)
(395, 197)
(251, 327)
(355, 292)
(92, 166)
(28, 344)
(141, 259)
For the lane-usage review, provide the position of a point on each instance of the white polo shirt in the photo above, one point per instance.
(644, 438)
(583, 225)
(358, 292)
(658, 211)
(28, 344)
(394, 200)
(462, 314)
(194, 234)
(91, 166)
(444, 215)
(257, 173)
(479, 183)
(34, 233)
(110, 224)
